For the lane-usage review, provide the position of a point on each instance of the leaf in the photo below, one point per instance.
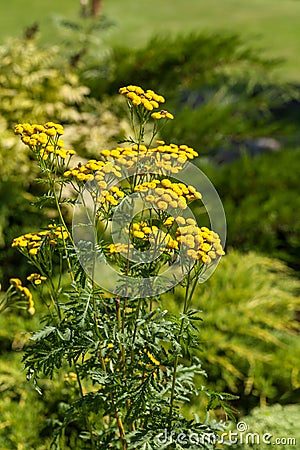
(41, 334)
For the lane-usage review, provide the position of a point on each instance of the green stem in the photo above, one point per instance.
(61, 218)
(86, 418)
(176, 361)
(116, 413)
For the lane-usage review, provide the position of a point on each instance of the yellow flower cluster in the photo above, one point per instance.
(44, 139)
(112, 196)
(128, 156)
(50, 129)
(119, 248)
(93, 170)
(166, 194)
(98, 171)
(199, 243)
(36, 278)
(33, 241)
(195, 242)
(125, 156)
(176, 152)
(142, 230)
(137, 96)
(166, 158)
(161, 240)
(162, 115)
(24, 292)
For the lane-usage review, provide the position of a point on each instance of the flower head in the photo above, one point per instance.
(138, 97)
(33, 242)
(36, 278)
(44, 140)
(162, 115)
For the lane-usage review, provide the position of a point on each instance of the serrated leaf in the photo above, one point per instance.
(41, 334)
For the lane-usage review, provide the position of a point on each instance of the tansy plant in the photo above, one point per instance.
(134, 237)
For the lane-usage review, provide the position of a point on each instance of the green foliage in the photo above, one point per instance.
(222, 90)
(81, 41)
(261, 201)
(251, 335)
(256, 21)
(129, 359)
(19, 403)
(185, 62)
(279, 422)
(38, 84)
(21, 410)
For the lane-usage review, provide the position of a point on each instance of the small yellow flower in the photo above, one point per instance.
(147, 230)
(205, 247)
(105, 152)
(50, 132)
(182, 204)
(154, 104)
(136, 101)
(138, 234)
(174, 204)
(162, 205)
(206, 259)
(167, 198)
(166, 183)
(15, 281)
(161, 115)
(191, 221)
(18, 129)
(150, 198)
(169, 221)
(147, 105)
(180, 220)
(33, 251)
(192, 254)
(173, 244)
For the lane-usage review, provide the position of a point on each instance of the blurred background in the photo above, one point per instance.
(230, 71)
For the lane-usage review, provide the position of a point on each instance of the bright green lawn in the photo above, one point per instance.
(271, 24)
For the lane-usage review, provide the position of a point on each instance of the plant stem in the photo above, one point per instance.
(86, 418)
(176, 361)
(61, 218)
(117, 417)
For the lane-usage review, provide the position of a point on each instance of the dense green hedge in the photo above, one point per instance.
(250, 333)
(220, 89)
(261, 201)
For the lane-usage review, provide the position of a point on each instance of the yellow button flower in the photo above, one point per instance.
(162, 205)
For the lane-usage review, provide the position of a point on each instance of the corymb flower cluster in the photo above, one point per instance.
(137, 96)
(34, 242)
(196, 243)
(145, 100)
(150, 171)
(44, 139)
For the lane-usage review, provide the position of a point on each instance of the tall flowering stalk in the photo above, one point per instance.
(133, 238)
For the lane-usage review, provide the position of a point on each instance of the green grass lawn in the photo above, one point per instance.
(270, 24)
